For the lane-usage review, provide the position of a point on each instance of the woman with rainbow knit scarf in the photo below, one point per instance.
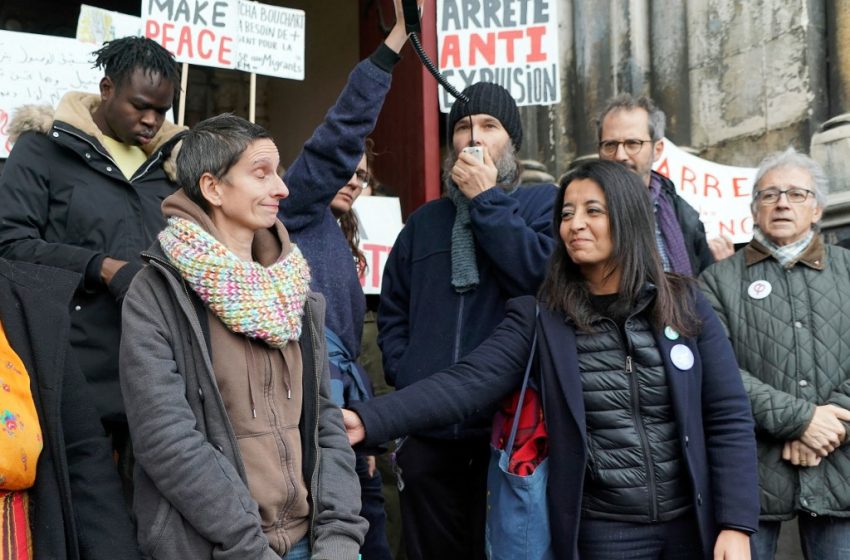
(241, 453)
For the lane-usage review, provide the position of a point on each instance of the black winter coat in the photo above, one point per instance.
(710, 406)
(64, 203)
(77, 507)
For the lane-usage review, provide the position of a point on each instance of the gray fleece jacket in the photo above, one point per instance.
(191, 497)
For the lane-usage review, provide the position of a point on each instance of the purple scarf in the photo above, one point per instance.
(665, 219)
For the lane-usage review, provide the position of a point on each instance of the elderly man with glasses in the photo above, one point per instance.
(631, 131)
(783, 300)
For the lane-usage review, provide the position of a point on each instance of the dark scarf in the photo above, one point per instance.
(665, 217)
(464, 265)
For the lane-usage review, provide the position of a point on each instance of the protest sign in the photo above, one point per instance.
(513, 43)
(380, 223)
(202, 33)
(271, 40)
(96, 25)
(40, 69)
(720, 193)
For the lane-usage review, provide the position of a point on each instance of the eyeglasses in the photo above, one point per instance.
(795, 195)
(632, 146)
(362, 178)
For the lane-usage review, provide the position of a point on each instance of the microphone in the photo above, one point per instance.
(411, 16)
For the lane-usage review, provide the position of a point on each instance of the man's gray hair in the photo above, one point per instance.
(628, 102)
(213, 146)
(792, 159)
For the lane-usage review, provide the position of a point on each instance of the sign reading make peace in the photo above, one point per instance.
(199, 32)
(720, 193)
(513, 43)
(239, 34)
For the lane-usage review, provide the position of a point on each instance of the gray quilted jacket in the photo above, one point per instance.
(793, 348)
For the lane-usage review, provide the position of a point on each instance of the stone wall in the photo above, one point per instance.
(737, 78)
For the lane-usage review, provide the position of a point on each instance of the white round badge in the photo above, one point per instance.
(682, 357)
(759, 289)
(671, 333)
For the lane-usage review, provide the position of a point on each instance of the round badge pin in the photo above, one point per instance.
(671, 333)
(759, 289)
(682, 357)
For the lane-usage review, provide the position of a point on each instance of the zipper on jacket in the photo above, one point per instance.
(458, 328)
(137, 175)
(143, 172)
(456, 428)
(634, 397)
(314, 484)
(647, 453)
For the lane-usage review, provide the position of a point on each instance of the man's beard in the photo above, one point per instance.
(507, 168)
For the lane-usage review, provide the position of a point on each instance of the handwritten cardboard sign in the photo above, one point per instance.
(720, 193)
(513, 43)
(271, 40)
(380, 224)
(40, 69)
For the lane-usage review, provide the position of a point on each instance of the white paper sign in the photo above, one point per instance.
(271, 40)
(720, 193)
(96, 25)
(513, 44)
(40, 69)
(380, 223)
(197, 32)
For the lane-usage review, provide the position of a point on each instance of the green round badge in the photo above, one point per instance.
(671, 333)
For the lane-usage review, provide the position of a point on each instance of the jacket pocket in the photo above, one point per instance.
(171, 537)
(151, 529)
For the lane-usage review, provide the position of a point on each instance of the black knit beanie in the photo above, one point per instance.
(489, 99)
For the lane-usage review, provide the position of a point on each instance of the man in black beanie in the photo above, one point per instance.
(454, 265)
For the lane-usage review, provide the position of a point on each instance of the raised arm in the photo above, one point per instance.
(330, 156)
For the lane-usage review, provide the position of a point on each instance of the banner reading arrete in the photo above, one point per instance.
(513, 43)
(720, 193)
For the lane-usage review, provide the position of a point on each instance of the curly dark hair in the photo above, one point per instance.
(121, 57)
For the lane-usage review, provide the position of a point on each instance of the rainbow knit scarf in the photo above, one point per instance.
(260, 302)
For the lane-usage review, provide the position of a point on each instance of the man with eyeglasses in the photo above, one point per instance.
(631, 131)
(783, 300)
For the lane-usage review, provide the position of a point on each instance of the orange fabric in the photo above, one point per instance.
(15, 533)
(20, 431)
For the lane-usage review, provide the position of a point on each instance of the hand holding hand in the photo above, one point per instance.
(472, 176)
(825, 431)
(800, 455)
(354, 428)
(721, 247)
(732, 545)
